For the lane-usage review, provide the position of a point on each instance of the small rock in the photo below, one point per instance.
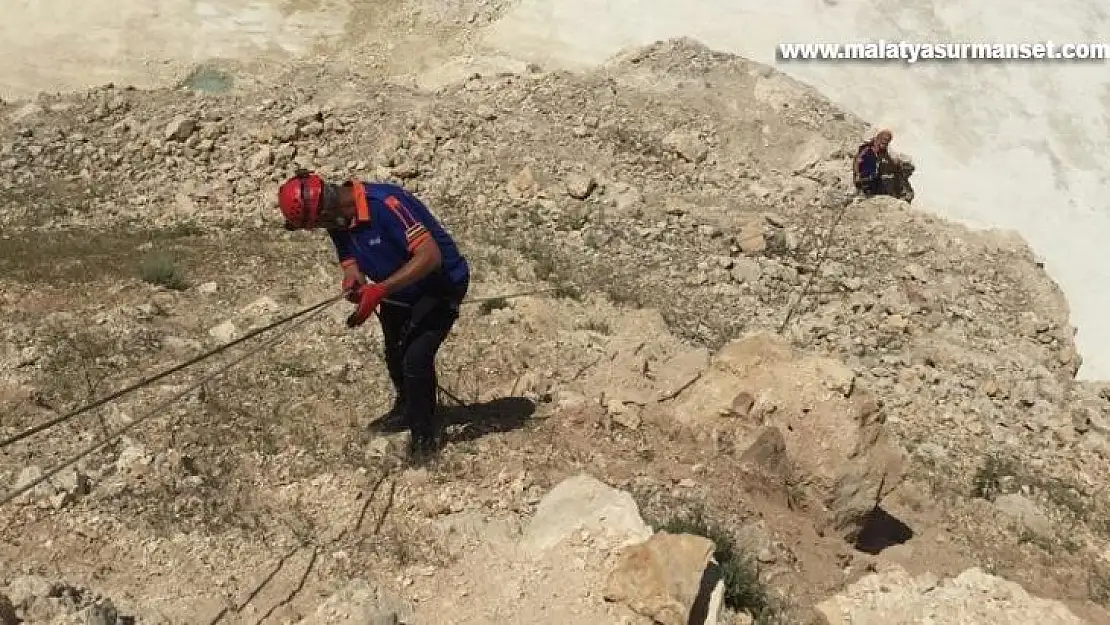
(180, 129)
(687, 145)
(285, 153)
(132, 456)
(208, 288)
(260, 308)
(583, 502)
(1025, 512)
(756, 538)
(775, 220)
(30, 474)
(768, 452)
(524, 183)
(839, 378)
(357, 603)
(580, 186)
(28, 356)
(25, 589)
(751, 240)
(681, 371)
(180, 345)
(746, 271)
(569, 400)
(628, 417)
(894, 596)
(406, 171)
(379, 447)
(72, 482)
(742, 404)
(262, 158)
(98, 615)
(306, 114)
(931, 451)
(486, 112)
(852, 284)
(434, 506)
(225, 332)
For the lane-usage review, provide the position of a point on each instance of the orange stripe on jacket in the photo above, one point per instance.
(415, 232)
(402, 213)
(362, 208)
(418, 240)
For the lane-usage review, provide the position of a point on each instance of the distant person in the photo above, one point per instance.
(878, 172)
(390, 245)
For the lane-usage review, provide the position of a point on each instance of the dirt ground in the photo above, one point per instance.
(139, 230)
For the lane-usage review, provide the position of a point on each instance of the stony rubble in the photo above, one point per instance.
(973, 596)
(688, 234)
(33, 600)
(355, 604)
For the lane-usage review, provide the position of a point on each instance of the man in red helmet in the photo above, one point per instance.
(390, 245)
(878, 172)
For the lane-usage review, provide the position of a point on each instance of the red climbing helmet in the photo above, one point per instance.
(299, 199)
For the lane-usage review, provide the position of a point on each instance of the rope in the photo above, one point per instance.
(204, 356)
(479, 300)
(317, 309)
(826, 246)
(136, 386)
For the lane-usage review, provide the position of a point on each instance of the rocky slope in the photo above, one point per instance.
(727, 330)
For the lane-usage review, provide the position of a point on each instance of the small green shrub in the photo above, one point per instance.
(161, 269)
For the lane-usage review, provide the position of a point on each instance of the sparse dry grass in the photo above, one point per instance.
(161, 269)
(81, 256)
(999, 475)
(1098, 585)
(599, 326)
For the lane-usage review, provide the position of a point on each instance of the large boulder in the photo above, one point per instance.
(800, 413)
(670, 578)
(584, 503)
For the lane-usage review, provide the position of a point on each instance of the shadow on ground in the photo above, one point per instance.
(504, 414)
(880, 531)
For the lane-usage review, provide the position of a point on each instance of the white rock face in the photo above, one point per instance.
(1035, 135)
(973, 598)
(583, 502)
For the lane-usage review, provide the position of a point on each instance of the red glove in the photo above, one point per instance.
(370, 295)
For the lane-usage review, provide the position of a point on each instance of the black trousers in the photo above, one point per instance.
(412, 339)
(871, 187)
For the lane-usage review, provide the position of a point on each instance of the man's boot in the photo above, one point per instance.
(422, 422)
(394, 420)
(423, 448)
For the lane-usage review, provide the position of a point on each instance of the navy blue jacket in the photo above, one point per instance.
(387, 228)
